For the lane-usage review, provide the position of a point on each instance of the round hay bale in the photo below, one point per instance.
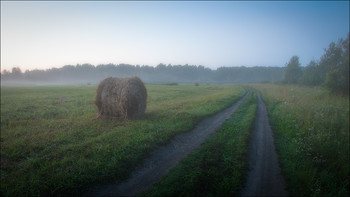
(121, 97)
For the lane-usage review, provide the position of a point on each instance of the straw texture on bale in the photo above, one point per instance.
(121, 97)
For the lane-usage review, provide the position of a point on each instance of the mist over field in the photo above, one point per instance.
(331, 70)
(89, 74)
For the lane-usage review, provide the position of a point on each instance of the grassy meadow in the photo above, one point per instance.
(219, 166)
(50, 145)
(311, 129)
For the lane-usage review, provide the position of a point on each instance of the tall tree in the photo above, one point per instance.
(311, 74)
(331, 59)
(337, 57)
(17, 73)
(293, 71)
(5, 75)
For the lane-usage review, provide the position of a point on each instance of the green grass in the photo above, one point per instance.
(219, 166)
(311, 129)
(50, 145)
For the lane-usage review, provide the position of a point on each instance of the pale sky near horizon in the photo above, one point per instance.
(42, 35)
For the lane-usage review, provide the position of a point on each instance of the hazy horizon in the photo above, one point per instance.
(43, 35)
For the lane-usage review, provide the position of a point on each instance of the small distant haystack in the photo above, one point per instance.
(121, 97)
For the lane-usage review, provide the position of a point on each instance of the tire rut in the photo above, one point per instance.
(265, 176)
(162, 159)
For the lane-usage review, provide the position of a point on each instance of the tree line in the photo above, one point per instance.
(331, 70)
(162, 73)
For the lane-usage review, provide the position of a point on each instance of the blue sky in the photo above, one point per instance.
(41, 35)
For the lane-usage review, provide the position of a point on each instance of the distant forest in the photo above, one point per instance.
(331, 71)
(87, 73)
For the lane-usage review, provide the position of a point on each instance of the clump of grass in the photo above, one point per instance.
(311, 129)
(50, 146)
(218, 167)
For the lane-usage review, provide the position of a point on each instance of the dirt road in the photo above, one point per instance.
(161, 160)
(264, 176)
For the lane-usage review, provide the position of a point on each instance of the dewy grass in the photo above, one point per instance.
(311, 129)
(50, 145)
(218, 167)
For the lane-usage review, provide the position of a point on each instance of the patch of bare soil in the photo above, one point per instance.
(161, 160)
(265, 176)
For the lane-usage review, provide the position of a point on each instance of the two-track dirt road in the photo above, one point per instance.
(264, 176)
(161, 160)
